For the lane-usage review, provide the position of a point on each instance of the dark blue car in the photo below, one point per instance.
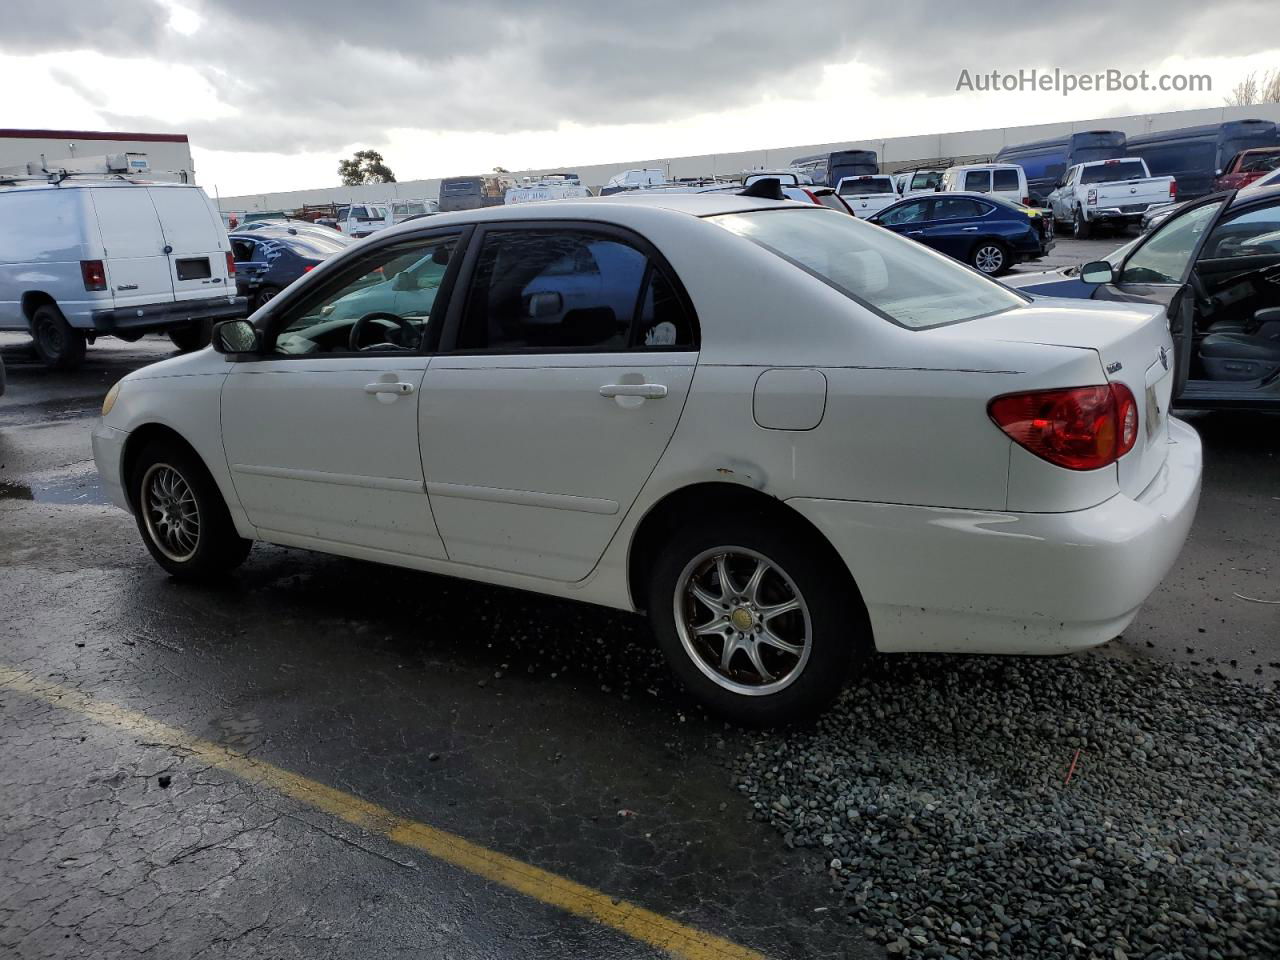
(989, 233)
(271, 258)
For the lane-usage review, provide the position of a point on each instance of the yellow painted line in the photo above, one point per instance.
(636, 922)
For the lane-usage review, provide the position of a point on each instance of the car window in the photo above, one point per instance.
(1114, 170)
(383, 304)
(1005, 179)
(978, 180)
(1164, 257)
(890, 275)
(563, 289)
(242, 250)
(957, 208)
(864, 186)
(1254, 233)
(926, 181)
(907, 213)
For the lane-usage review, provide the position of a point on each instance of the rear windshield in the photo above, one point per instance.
(861, 186)
(895, 277)
(461, 186)
(1106, 172)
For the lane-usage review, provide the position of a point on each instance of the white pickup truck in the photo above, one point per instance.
(1108, 192)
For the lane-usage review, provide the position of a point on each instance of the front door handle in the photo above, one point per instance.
(647, 391)
(398, 388)
(915, 233)
(969, 229)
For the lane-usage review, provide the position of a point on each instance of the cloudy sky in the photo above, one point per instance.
(273, 94)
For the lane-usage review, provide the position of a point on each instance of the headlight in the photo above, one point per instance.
(110, 400)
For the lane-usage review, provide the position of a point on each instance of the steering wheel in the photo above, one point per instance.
(378, 316)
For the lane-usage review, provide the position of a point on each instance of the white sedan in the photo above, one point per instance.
(790, 436)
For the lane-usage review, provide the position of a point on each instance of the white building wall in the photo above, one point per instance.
(894, 152)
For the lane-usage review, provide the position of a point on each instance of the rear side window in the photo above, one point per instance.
(557, 290)
(40, 225)
(958, 208)
(1005, 179)
(979, 180)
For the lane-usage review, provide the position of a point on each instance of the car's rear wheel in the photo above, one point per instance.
(990, 257)
(57, 343)
(1080, 227)
(181, 515)
(193, 336)
(757, 623)
(266, 294)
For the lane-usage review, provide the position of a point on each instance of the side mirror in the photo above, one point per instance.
(403, 281)
(236, 339)
(547, 304)
(1218, 172)
(1097, 271)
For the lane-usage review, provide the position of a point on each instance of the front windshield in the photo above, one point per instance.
(1167, 253)
(895, 277)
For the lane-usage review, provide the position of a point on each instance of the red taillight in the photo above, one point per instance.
(1026, 201)
(1173, 189)
(94, 274)
(307, 268)
(1080, 428)
(231, 264)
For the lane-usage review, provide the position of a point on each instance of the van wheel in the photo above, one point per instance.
(57, 343)
(1080, 227)
(195, 336)
(990, 257)
(754, 621)
(181, 515)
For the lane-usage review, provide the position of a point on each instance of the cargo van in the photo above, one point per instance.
(828, 169)
(1194, 155)
(1006, 180)
(82, 259)
(1044, 162)
(472, 193)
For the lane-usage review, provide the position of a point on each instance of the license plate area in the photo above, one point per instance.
(194, 268)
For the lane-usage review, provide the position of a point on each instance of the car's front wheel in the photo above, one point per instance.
(193, 336)
(991, 258)
(181, 515)
(265, 295)
(757, 623)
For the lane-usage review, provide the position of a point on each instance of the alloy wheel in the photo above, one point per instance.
(742, 621)
(989, 259)
(170, 512)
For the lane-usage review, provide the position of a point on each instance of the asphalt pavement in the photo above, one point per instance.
(190, 770)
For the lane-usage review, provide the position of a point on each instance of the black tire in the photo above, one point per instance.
(837, 630)
(265, 295)
(58, 345)
(217, 547)
(193, 336)
(1081, 229)
(990, 257)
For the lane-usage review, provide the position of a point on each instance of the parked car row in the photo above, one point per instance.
(508, 395)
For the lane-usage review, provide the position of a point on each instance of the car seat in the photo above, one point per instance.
(1251, 352)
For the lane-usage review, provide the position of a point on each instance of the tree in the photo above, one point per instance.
(366, 166)
(501, 170)
(1251, 90)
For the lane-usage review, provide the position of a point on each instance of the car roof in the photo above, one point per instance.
(82, 183)
(1255, 194)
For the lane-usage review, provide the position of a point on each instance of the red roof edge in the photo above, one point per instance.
(91, 135)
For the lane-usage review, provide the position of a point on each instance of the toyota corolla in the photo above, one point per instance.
(791, 437)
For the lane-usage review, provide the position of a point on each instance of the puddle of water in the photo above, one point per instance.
(85, 489)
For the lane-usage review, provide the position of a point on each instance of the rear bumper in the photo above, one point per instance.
(967, 581)
(160, 316)
(108, 454)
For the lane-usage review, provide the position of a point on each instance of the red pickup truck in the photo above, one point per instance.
(1246, 167)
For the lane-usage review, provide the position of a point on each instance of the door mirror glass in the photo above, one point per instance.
(546, 304)
(235, 336)
(1098, 271)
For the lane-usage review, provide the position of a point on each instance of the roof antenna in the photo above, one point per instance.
(766, 188)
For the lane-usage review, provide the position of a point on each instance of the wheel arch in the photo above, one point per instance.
(139, 439)
(33, 300)
(733, 502)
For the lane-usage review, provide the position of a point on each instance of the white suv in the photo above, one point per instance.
(82, 259)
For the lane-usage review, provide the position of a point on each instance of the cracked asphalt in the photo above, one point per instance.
(545, 731)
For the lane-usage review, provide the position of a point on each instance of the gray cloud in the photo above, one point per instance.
(319, 74)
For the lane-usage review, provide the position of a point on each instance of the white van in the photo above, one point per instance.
(402, 210)
(868, 193)
(361, 219)
(82, 259)
(1006, 180)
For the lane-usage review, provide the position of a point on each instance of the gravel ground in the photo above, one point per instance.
(936, 794)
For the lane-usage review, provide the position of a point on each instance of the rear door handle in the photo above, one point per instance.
(649, 391)
(969, 229)
(915, 233)
(399, 388)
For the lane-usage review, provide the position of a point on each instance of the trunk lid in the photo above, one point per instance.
(1133, 346)
(1124, 193)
